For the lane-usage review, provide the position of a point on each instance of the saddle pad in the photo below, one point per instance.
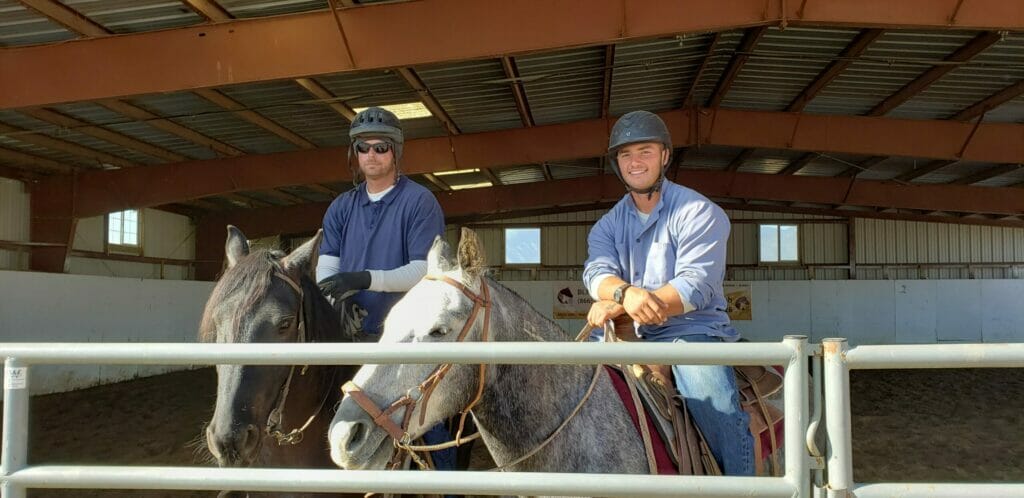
(661, 455)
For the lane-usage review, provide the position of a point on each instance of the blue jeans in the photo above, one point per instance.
(710, 392)
(443, 459)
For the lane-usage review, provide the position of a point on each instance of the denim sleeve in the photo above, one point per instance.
(701, 236)
(427, 223)
(602, 257)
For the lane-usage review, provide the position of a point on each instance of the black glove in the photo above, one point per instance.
(341, 285)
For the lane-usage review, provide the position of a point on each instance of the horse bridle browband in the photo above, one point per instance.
(273, 427)
(400, 433)
(422, 392)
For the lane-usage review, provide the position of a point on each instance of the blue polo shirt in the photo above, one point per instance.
(381, 235)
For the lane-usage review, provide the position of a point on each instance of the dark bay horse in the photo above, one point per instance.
(269, 297)
(516, 407)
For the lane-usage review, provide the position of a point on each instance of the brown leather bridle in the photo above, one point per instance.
(400, 433)
(273, 426)
(420, 395)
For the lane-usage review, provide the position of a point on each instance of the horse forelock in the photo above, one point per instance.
(251, 278)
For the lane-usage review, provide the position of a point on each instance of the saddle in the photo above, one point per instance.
(653, 387)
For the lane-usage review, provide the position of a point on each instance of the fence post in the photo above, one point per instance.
(795, 392)
(15, 428)
(837, 418)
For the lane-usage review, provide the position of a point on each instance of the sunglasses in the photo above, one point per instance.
(379, 147)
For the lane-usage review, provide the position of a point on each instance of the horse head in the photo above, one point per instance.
(450, 304)
(263, 297)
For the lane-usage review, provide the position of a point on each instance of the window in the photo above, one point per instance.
(780, 243)
(522, 246)
(123, 229)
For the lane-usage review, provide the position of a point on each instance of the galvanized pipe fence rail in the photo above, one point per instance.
(839, 359)
(16, 476)
(804, 463)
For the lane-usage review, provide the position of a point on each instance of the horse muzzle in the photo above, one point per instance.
(355, 441)
(233, 446)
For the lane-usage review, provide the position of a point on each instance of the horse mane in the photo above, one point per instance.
(251, 275)
(520, 300)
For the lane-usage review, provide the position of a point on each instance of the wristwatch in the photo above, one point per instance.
(620, 292)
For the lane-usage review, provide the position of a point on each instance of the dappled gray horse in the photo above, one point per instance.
(518, 408)
(272, 416)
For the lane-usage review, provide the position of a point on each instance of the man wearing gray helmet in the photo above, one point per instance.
(377, 235)
(658, 256)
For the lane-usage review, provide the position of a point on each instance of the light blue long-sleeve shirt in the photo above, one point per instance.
(682, 243)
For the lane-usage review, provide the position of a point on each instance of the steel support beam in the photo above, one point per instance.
(100, 192)
(991, 102)
(919, 84)
(739, 59)
(856, 47)
(252, 50)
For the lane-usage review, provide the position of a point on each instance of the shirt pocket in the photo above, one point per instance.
(661, 263)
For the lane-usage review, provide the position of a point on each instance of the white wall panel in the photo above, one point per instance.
(47, 307)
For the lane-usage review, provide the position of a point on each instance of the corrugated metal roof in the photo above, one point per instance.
(561, 170)
(998, 67)
(132, 16)
(22, 26)
(99, 115)
(292, 107)
(565, 85)
(231, 129)
(714, 157)
(719, 60)
(370, 88)
(520, 174)
(655, 75)
(783, 64)
(475, 94)
(768, 161)
(892, 61)
(260, 8)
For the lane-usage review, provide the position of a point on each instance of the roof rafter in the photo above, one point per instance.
(991, 102)
(986, 174)
(739, 59)
(42, 140)
(587, 191)
(103, 133)
(963, 54)
(845, 58)
(929, 167)
(155, 185)
(67, 17)
(21, 158)
(256, 50)
(219, 98)
(140, 114)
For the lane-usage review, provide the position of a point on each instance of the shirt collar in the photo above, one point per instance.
(388, 198)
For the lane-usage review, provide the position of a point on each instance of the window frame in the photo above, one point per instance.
(778, 244)
(540, 247)
(134, 249)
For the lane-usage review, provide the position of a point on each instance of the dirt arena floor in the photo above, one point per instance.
(910, 425)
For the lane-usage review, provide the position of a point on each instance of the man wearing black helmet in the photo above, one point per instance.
(658, 256)
(377, 235)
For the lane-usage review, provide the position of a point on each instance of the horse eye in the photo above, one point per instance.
(438, 331)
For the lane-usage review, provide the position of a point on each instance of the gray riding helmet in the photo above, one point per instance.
(377, 122)
(635, 127)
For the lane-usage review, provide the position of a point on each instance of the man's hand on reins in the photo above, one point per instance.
(341, 285)
(603, 311)
(645, 307)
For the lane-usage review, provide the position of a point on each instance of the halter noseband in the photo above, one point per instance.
(423, 391)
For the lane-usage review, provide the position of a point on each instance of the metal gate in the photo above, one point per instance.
(801, 458)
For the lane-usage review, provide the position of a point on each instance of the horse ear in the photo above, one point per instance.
(439, 259)
(472, 257)
(303, 259)
(236, 247)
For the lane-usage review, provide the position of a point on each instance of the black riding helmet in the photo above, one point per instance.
(376, 122)
(636, 127)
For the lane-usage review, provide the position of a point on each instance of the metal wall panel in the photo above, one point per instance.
(14, 223)
(164, 235)
(886, 242)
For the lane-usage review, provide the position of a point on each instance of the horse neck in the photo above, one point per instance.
(524, 404)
